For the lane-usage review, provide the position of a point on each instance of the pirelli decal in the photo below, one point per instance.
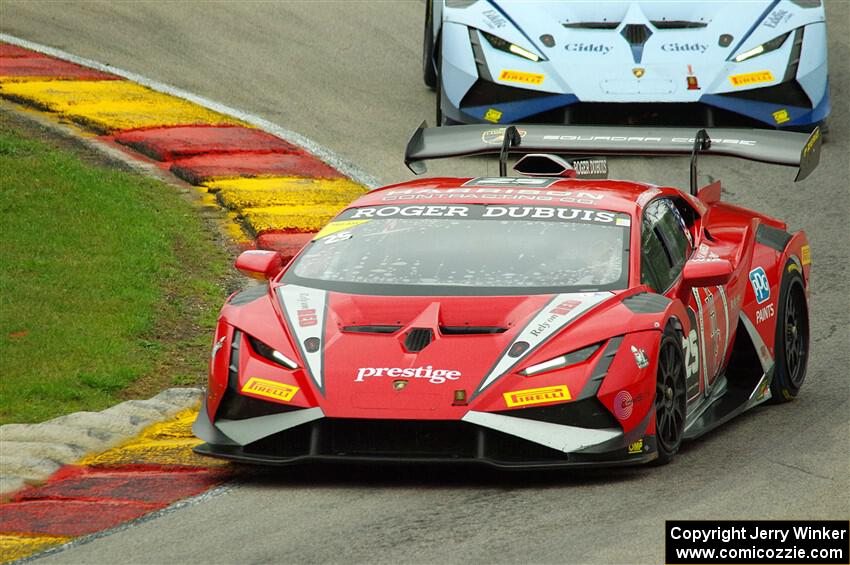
(522, 77)
(270, 389)
(532, 396)
(747, 79)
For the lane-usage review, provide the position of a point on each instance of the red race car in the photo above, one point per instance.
(551, 319)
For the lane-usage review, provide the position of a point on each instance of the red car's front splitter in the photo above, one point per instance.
(487, 438)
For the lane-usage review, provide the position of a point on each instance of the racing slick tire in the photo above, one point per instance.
(429, 73)
(792, 336)
(670, 396)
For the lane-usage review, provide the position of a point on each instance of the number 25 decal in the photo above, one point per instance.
(691, 349)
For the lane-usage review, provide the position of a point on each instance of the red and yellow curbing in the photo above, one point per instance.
(272, 187)
(179, 142)
(18, 64)
(106, 106)
(17, 546)
(278, 195)
(241, 193)
(106, 489)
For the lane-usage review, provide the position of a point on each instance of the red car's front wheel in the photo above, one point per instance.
(670, 397)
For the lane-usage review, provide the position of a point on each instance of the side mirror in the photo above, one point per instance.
(258, 264)
(712, 272)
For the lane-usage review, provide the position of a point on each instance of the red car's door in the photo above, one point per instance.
(711, 333)
(666, 245)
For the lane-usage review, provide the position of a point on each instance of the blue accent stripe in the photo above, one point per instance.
(513, 111)
(820, 112)
(637, 53)
(763, 111)
(753, 28)
(510, 19)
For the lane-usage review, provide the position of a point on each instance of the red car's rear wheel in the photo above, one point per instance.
(792, 337)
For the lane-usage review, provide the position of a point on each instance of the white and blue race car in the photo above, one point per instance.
(759, 63)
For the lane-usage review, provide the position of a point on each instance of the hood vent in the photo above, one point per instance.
(418, 339)
(657, 24)
(636, 34)
(677, 24)
(471, 330)
(591, 25)
(373, 329)
(445, 330)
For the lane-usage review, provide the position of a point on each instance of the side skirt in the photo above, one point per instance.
(745, 384)
(732, 400)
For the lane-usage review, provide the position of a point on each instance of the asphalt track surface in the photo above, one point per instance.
(347, 74)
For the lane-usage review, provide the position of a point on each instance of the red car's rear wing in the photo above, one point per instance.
(792, 149)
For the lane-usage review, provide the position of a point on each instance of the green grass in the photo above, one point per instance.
(109, 282)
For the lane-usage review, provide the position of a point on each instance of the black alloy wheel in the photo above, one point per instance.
(792, 337)
(669, 397)
(795, 337)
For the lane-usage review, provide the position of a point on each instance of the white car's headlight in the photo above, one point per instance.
(508, 47)
(573, 358)
(767, 47)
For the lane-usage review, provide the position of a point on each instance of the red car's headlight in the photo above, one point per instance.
(573, 358)
(271, 354)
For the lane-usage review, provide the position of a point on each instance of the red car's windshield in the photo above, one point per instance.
(467, 249)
